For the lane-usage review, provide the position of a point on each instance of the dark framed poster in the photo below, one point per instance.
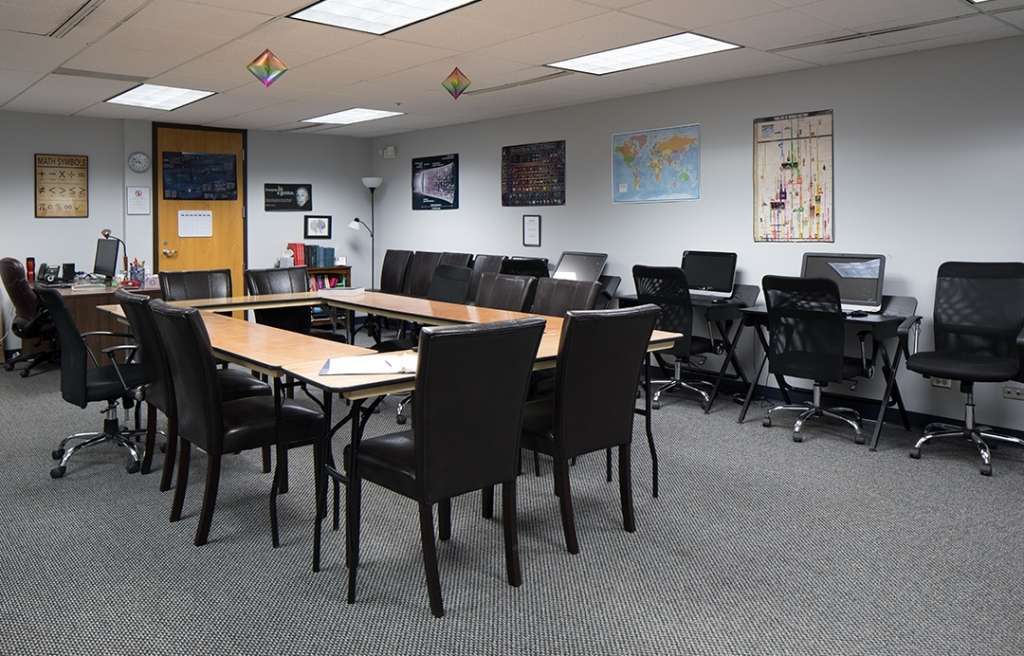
(62, 186)
(316, 227)
(282, 197)
(435, 182)
(533, 174)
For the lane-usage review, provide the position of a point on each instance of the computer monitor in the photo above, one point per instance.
(710, 273)
(587, 267)
(859, 276)
(536, 267)
(106, 258)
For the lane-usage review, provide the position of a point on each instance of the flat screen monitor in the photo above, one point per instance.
(536, 267)
(858, 276)
(199, 176)
(587, 267)
(711, 273)
(106, 258)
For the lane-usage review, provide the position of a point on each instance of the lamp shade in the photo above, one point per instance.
(372, 183)
(354, 224)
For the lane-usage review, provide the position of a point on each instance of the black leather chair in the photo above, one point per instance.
(80, 385)
(421, 273)
(456, 259)
(979, 338)
(606, 297)
(31, 321)
(526, 266)
(216, 426)
(501, 292)
(393, 271)
(806, 339)
(592, 407)
(555, 297)
(158, 394)
(465, 437)
(281, 281)
(188, 285)
(484, 264)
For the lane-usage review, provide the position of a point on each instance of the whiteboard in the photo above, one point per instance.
(195, 223)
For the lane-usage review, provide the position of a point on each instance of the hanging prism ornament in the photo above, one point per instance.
(456, 83)
(267, 68)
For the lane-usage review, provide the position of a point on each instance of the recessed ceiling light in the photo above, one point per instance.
(669, 48)
(154, 96)
(354, 115)
(376, 16)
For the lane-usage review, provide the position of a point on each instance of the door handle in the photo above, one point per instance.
(169, 252)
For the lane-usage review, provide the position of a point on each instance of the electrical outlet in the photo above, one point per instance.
(1013, 392)
(944, 383)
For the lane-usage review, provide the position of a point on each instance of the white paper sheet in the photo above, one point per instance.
(138, 200)
(195, 223)
(382, 363)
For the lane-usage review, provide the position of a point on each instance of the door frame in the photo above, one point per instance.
(243, 188)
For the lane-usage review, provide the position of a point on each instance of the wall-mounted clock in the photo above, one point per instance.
(138, 162)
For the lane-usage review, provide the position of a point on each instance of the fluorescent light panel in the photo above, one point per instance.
(670, 48)
(375, 16)
(354, 115)
(154, 96)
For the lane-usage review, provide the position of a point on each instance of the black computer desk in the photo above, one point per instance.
(894, 322)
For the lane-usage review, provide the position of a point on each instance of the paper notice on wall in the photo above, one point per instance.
(195, 223)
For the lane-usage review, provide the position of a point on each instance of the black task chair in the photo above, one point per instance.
(484, 264)
(81, 385)
(31, 321)
(220, 427)
(555, 297)
(526, 266)
(421, 273)
(394, 270)
(501, 292)
(806, 339)
(456, 259)
(592, 407)
(158, 394)
(667, 288)
(288, 280)
(189, 285)
(465, 437)
(979, 338)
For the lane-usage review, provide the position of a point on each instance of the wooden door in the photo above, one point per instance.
(226, 247)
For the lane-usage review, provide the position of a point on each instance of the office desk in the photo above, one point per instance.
(892, 323)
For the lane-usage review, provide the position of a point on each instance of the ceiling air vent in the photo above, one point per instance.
(76, 18)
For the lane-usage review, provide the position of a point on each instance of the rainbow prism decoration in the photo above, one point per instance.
(267, 68)
(456, 83)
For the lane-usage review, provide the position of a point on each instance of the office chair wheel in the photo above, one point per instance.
(58, 472)
(986, 470)
(797, 437)
(766, 422)
(57, 454)
(25, 373)
(656, 405)
(860, 439)
(132, 467)
(915, 453)
(401, 419)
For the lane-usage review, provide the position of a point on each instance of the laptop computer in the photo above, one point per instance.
(860, 277)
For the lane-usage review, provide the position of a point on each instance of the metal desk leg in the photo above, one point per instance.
(890, 385)
(350, 324)
(352, 500)
(647, 425)
(750, 391)
(729, 358)
(319, 475)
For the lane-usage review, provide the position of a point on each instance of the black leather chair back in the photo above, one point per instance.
(19, 289)
(193, 375)
(151, 349)
(806, 328)
(979, 308)
(421, 273)
(667, 288)
(609, 286)
(188, 285)
(555, 297)
(281, 281)
(526, 266)
(394, 270)
(73, 351)
(456, 259)
(599, 364)
(467, 432)
(503, 292)
(450, 284)
(484, 264)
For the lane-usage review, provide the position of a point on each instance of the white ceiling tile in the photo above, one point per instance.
(530, 15)
(997, 5)
(187, 18)
(977, 27)
(455, 31)
(142, 52)
(36, 17)
(223, 105)
(694, 14)
(777, 29)
(14, 82)
(842, 51)
(269, 7)
(110, 110)
(298, 42)
(867, 15)
(28, 52)
(383, 51)
(66, 94)
(1014, 18)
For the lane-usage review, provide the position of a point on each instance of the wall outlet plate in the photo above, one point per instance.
(944, 383)
(1013, 392)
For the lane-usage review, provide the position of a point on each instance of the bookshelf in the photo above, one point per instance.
(328, 277)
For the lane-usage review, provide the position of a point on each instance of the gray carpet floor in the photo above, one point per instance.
(757, 545)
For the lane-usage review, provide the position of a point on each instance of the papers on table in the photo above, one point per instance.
(341, 291)
(378, 363)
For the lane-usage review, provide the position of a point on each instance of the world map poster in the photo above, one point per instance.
(793, 190)
(654, 166)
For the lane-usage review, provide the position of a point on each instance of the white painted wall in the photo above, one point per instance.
(928, 160)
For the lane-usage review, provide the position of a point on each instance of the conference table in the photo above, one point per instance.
(280, 354)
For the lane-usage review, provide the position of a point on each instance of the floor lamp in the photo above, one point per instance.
(371, 183)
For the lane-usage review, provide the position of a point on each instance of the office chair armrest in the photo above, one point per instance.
(129, 350)
(107, 333)
(904, 331)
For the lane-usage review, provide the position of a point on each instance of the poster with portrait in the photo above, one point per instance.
(62, 186)
(285, 197)
(435, 182)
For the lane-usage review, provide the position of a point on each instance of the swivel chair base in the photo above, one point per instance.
(814, 410)
(970, 431)
(400, 416)
(678, 383)
(33, 359)
(113, 432)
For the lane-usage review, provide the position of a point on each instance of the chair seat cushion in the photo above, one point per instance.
(698, 345)
(235, 384)
(249, 423)
(390, 461)
(103, 383)
(964, 366)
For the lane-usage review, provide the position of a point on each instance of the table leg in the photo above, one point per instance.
(750, 391)
(319, 476)
(890, 384)
(729, 358)
(350, 324)
(648, 427)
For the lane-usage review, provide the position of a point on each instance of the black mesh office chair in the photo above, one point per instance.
(484, 264)
(979, 338)
(80, 385)
(465, 436)
(501, 292)
(31, 320)
(667, 288)
(806, 336)
(189, 285)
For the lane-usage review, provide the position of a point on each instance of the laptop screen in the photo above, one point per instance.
(859, 277)
(710, 271)
(587, 267)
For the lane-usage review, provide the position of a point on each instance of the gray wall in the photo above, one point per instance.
(928, 154)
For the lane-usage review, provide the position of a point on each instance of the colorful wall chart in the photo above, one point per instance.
(653, 166)
(62, 186)
(793, 178)
(533, 174)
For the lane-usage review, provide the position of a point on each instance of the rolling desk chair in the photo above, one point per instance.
(501, 292)
(484, 264)
(806, 338)
(81, 385)
(979, 338)
(31, 321)
(189, 285)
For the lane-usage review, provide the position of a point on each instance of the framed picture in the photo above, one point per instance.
(317, 227)
(280, 197)
(533, 174)
(435, 182)
(531, 230)
(62, 186)
(656, 166)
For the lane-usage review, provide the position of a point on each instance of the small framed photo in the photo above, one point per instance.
(317, 227)
(531, 230)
